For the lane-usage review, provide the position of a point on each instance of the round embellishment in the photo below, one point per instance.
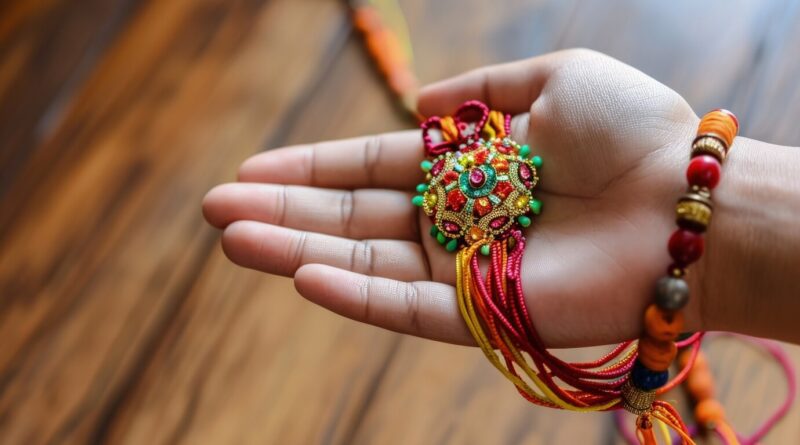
(478, 181)
(480, 191)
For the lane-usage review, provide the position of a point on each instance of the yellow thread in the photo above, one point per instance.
(471, 318)
(534, 375)
(488, 132)
(496, 124)
(667, 418)
(473, 324)
(664, 432)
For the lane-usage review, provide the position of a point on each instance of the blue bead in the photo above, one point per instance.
(646, 379)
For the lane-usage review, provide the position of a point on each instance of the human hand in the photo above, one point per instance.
(337, 215)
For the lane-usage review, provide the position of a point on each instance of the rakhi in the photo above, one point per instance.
(479, 195)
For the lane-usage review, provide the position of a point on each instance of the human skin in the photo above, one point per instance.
(337, 215)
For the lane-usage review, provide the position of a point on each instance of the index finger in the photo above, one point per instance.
(389, 160)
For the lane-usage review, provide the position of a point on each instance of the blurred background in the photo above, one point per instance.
(121, 321)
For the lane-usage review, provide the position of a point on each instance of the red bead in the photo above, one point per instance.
(450, 177)
(503, 189)
(481, 156)
(455, 200)
(685, 246)
(703, 171)
(482, 207)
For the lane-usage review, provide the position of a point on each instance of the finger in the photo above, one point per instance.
(358, 214)
(509, 87)
(389, 160)
(425, 309)
(281, 251)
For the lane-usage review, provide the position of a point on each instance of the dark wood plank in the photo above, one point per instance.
(294, 372)
(41, 70)
(98, 261)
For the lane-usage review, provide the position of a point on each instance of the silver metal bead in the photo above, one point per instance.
(671, 293)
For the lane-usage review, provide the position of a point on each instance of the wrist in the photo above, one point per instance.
(749, 278)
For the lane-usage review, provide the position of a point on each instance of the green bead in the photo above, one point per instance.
(536, 206)
(417, 200)
(486, 250)
(434, 231)
(524, 221)
(426, 165)
(537, 161)
(440, 238)
(452, 245)
(525, 150)
(422, 188)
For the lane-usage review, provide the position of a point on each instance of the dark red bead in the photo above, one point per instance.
(703, 171)
(685, 246)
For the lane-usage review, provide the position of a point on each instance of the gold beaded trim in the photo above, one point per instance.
(637, 401)
(695, 208)
(709, 145)
(694, 213)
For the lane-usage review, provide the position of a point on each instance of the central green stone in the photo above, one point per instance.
(476, 192)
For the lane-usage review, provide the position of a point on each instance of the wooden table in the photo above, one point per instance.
(121, 321)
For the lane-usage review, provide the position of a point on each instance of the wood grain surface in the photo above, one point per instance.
(121, 321)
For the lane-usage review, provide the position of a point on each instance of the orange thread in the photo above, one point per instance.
(449, 129)
(387, 51)
(495, 126)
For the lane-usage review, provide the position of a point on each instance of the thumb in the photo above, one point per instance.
(509, 87)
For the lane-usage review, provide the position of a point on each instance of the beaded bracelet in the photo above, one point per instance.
(479, 195)
(663, 319)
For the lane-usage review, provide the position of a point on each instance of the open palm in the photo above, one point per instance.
(337, 215)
